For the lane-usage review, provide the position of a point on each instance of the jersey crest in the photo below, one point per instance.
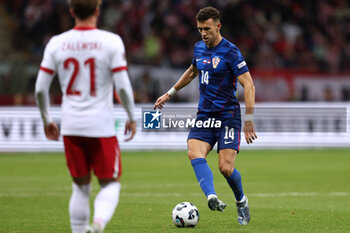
(215, 61)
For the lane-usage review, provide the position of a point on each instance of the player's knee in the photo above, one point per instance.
(105, 181)
(191, 154)
(226, 169)
(195, 155)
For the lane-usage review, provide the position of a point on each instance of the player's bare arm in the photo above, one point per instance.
(185, 79)
(249, 97)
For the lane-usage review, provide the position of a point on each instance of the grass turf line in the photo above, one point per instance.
(288, 190)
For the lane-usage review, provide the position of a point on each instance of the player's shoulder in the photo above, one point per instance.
(55, 39)
(62, 35)
(110, 38)
(108, 34)
(100, 33)
(229, 46)
(199, 46)
(230, 49)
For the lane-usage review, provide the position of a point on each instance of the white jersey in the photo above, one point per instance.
(85, 59)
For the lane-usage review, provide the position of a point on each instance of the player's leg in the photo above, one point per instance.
(227, 158)
(79, 208)
(197, 153)
(105, 204)
(107, 167)
(228, 146)
(77, 162)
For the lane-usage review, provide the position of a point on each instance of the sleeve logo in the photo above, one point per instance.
(240, 65)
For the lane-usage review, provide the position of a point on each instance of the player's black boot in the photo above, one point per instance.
(215, 204)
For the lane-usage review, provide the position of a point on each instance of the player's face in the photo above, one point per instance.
(209, 31)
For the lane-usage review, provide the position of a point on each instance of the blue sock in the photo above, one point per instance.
(204, 175)
(235, 182)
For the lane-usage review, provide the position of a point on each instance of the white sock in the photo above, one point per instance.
(79, 209)
(105, 203)
(242, 200)
(210, 196)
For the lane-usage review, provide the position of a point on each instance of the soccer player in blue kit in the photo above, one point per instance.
(219, 65)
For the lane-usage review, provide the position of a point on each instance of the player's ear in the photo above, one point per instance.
(71, 11)
(218, 25)
(97, 11)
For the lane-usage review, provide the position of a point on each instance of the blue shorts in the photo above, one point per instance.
(228, 136)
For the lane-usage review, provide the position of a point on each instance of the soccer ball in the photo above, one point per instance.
(185, 214)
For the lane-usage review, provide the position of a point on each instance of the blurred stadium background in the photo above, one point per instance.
(298, 53)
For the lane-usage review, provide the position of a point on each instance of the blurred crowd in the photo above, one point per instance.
(273, 35)
(294, 34)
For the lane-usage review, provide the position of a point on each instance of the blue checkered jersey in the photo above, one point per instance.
(218, 69)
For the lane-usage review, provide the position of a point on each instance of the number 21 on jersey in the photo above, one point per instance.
(205, 77)
(91, 64)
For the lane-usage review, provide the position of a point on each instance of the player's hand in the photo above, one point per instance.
(51, 131)
(249, 132)
(130, 128)
(161, 101)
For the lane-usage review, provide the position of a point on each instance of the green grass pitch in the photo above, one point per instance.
(289, 191)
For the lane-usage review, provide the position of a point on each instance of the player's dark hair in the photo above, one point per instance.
(208, 13)
(83, 9)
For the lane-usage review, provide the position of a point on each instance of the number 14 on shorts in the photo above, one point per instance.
(229, 133)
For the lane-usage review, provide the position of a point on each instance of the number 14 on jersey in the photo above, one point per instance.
(205, 77)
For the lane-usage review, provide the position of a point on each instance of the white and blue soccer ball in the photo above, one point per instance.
(185, 214)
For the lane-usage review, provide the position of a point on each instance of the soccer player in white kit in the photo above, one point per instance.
(88, 61)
